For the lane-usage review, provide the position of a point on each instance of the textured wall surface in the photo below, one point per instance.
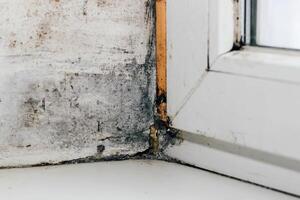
(76, 79)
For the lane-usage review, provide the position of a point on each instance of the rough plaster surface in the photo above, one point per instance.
(76, 79)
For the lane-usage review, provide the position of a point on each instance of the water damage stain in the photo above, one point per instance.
(108, 111)
(32, 112)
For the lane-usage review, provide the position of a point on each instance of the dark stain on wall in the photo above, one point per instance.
(42, 34)
(76, 110)
(84, 9)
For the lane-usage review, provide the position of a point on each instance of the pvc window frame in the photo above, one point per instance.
(237, 108)
(226, 24)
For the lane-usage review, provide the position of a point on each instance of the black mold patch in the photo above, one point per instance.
(77, 109)
(100, 148)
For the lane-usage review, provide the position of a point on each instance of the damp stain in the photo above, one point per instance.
(32, 111)
(108, 110)
(85, 8)
(13, 44)
(102, 3)
(42, 33)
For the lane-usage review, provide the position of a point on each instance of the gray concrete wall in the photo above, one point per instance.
(77, 79)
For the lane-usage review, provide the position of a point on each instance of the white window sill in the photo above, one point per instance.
(264, 63)
(126, 180)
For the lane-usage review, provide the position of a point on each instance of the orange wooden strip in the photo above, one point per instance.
(161, 58)
(161, 45)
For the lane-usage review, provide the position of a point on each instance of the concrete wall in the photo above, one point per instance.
(77, 79)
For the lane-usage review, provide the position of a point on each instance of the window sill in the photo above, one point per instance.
(262, 63)
(125, 180)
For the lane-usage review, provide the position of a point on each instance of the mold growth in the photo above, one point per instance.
(75, 92)
(84, 9)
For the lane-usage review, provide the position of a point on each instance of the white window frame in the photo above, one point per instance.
(240, 117)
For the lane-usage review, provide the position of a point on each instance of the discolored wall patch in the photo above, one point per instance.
(77, 79)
